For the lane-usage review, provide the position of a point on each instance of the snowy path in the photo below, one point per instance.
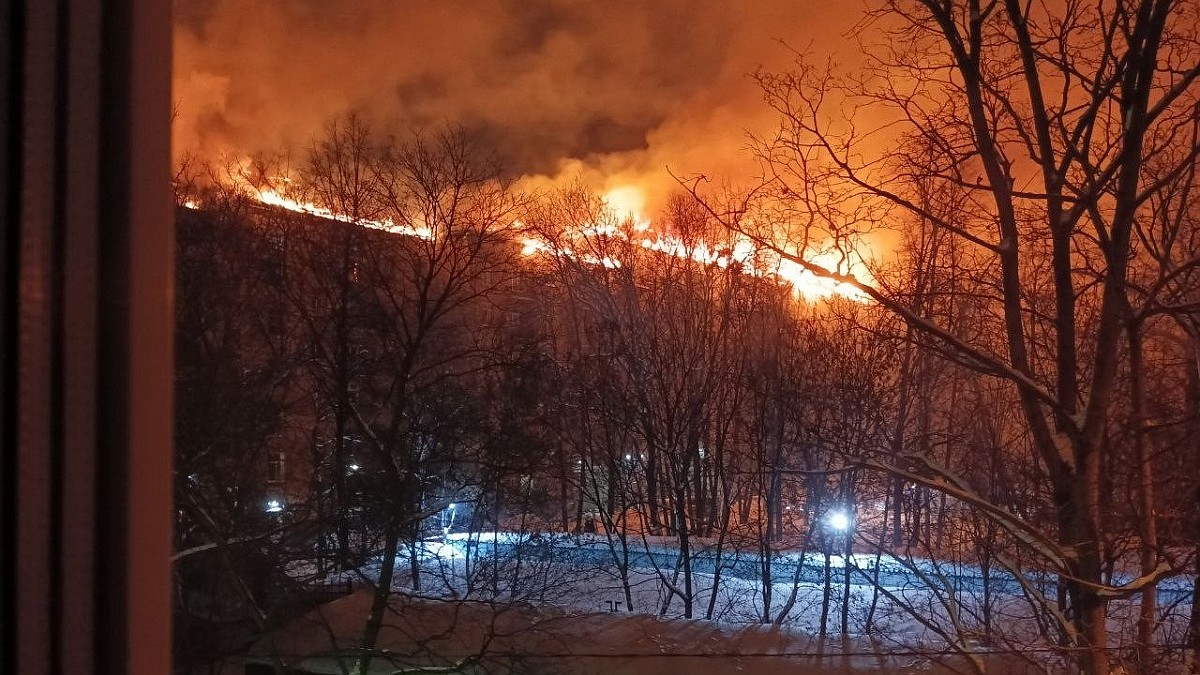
(889, 573)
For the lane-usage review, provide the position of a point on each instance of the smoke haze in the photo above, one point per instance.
(610, 92)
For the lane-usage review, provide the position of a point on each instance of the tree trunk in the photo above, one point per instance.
(564, 489)
(766, 553)
(341, 407)
(652, 488)
(1088, 608)
(847, 552)
(716, 584)
(379, 600)
(685, 553)
(825, 593)
(1149, 526)
(1193, 407)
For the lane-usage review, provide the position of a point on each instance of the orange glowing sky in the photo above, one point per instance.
(610, 93)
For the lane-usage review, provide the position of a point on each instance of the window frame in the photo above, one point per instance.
(86, 292)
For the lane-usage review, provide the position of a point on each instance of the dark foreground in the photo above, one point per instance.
(423, 636)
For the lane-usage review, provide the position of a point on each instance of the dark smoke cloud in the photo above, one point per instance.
(610, 91)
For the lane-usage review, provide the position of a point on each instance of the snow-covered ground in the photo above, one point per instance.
(899, 604)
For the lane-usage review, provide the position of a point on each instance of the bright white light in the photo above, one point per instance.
(437, 549)
(628, 457)
(274, 506)
(627, 201)
(354, 467)
(453, 506)
(838, 520)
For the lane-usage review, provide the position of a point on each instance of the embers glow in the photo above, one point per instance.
(812, 286)
(532, 246)
(273, 198)
(763, 263)
(627, 201)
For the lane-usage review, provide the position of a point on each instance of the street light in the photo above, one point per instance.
(838, 521)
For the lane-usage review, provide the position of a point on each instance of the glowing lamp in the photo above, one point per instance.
(838, 521)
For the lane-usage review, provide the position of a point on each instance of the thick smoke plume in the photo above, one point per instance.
(609, 92)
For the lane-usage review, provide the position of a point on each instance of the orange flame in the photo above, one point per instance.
(627, 202)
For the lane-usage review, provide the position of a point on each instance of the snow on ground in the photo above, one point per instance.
(917, 605)
(495, 638)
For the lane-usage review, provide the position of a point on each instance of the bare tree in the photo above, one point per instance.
(666, 318)
(450, 215)
(231, 423)
(328, 299)
(1045, 118)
